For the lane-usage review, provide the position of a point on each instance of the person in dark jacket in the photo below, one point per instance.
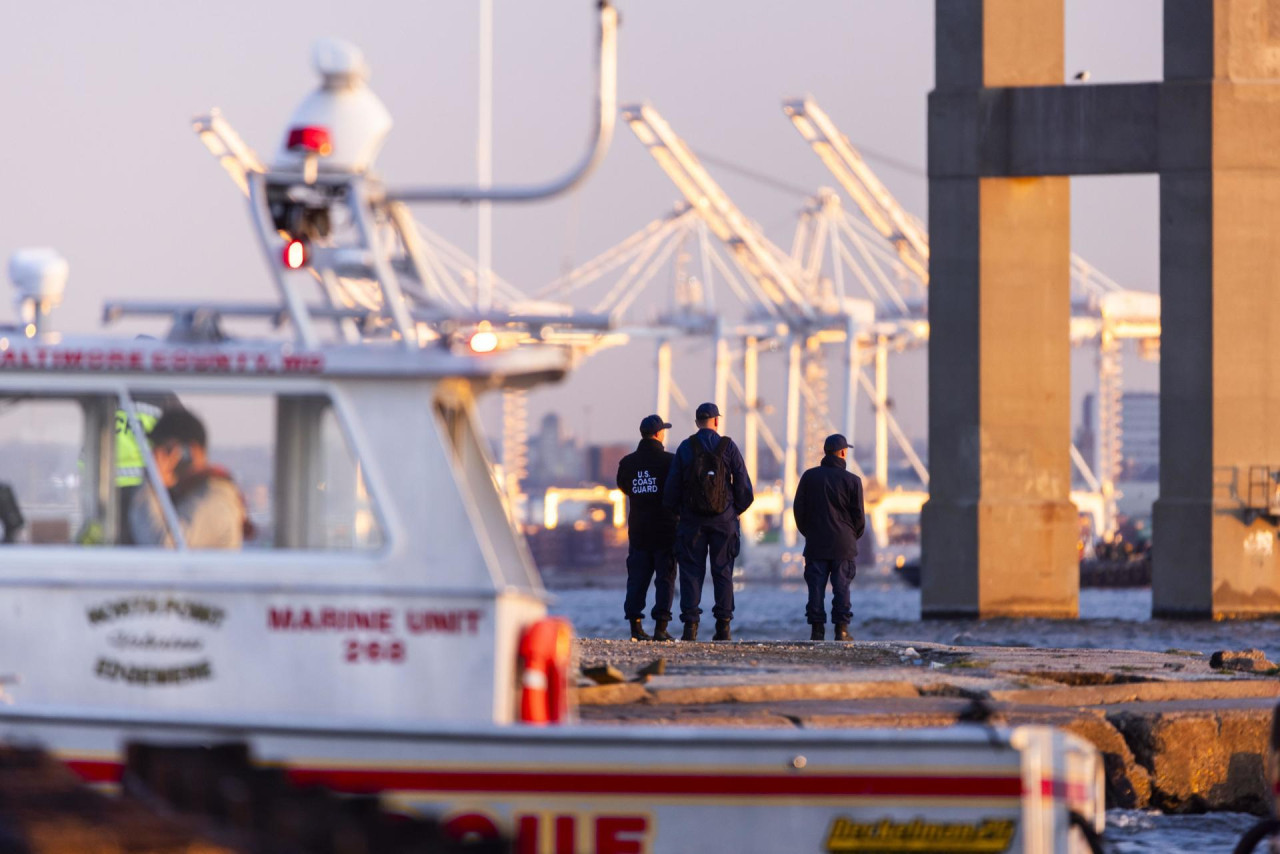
(709, 488)
(651, 530)
(829, 514)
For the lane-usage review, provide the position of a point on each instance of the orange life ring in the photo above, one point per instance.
(546, 651)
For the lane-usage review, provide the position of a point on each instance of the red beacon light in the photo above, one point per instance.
(310, 139)
(295, 254)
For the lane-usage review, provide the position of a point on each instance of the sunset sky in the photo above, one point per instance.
(99, 160)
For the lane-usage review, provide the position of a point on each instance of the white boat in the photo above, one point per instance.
(387, 631)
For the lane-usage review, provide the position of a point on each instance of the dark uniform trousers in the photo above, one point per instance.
(816, 575)
(643, 565)
(693, 545)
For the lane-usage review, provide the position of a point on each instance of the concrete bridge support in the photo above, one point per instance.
(999, 527)
(1220, 324)
(1003, 134)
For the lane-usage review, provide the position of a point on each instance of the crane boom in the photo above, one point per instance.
(878, 205)
(759, 258)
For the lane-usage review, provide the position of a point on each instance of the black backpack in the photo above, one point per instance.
(706, 480)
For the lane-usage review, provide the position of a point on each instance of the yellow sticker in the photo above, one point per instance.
(990, 836)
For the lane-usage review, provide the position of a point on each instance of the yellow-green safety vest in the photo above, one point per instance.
(130, 469)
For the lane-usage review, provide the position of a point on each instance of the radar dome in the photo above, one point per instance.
(39, 274)
(352, 117)
(339, 62)
(40, 277)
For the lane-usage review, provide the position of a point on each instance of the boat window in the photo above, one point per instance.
(57, 470)
(274, 472)
(323, 500)
(494, 519)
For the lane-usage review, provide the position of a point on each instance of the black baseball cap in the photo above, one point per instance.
(652, 424)
(835, 442)
(705, 411)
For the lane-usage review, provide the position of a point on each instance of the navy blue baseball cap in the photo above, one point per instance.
(652, 424)
(835, 442)
(706, 410)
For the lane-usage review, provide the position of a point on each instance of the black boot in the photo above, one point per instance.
(818, 632)
(842, 632)
(690, 632)
(637, 630)
(722, 631)
(660, 632)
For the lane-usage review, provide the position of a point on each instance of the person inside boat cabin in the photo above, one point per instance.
(210, 507)
(130, 470)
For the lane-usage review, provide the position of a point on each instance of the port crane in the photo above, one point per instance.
(877, 204)
(787, 305)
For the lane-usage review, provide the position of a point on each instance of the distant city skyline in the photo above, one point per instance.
(100, 163)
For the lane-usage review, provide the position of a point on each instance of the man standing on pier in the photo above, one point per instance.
(829, 514)
(709, 488)
(651, 530)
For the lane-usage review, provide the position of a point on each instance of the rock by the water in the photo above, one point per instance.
(1247, 660)
(657, 667)
(604, 674)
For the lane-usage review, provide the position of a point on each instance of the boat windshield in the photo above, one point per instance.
(184, 470)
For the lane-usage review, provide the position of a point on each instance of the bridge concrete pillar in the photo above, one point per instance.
(1220, 323)
(999, 529)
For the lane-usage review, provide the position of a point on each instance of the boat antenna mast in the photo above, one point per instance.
(325, 222)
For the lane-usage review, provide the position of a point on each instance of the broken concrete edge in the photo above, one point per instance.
(633, 692)
(775, 692)
(1200, 760)
(1188, 756)
(611, 695)
(1067, 697)
(1137, 692)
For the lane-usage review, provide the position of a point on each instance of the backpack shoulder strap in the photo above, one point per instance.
(722, 446)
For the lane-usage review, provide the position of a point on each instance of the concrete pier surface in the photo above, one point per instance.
(1176, 733)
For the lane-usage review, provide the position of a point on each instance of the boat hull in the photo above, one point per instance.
(576, 789)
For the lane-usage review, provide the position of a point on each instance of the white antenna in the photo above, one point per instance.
(484, 161)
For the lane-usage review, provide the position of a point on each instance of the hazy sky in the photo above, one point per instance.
(99, 160)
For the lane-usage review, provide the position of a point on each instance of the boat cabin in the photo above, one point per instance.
(383, 579)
